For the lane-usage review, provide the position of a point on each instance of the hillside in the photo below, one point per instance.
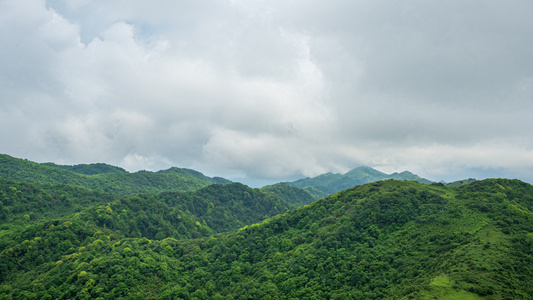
(383, 240)
(216, 208)
(23, 203)
(195, 174)
(88, 169)
(329, 183)
(105, 178)
(288, 193)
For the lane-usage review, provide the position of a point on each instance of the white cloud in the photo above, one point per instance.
(269, 89)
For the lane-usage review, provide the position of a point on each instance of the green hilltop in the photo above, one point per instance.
(88, 169)
(105, 178)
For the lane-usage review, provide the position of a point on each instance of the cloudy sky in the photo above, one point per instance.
(274, 90)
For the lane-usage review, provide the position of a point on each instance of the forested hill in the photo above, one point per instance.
(213, 209)
(106, 178)
(89, 169)
(383, 240)
(195, 174)
(329, 183)
(24, 203)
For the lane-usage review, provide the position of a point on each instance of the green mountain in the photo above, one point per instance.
(89, 169)
(23, 203)
(105, 178)
(195, 174)
(212, 209)
(384, 240)
(329, 183)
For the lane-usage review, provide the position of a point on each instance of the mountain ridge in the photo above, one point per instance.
(329, 183)
(88, 169)
(106, 178)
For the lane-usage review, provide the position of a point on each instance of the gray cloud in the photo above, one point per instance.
(270, 90)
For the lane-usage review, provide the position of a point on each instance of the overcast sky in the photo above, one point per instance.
(268, 91)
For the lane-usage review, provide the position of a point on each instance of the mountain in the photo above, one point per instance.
(329, 183)
(195, 174)
(212, 209)
(23, 203)
(88, 169)
(105, 178)
(383, 240)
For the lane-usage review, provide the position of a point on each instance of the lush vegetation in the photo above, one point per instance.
(215, 208)
(195, 174)
(88, 169)
(290, 194)
(24, 203)
(384, 240)
(324, 185)
(105, 178)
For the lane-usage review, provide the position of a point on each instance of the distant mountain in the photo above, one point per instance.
(460, 182)
(330, 183)
(105, 178)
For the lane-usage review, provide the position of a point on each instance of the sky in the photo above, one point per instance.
(267, 91)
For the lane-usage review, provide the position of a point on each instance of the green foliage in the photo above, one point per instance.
(290, 194)
(89, 169)
(195, 174)
(105, 178)
(27, 203)
(215, 208)
(384, 240)
(317, 192)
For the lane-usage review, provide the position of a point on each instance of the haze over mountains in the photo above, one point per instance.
(115, 179)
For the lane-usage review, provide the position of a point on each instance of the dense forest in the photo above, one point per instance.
(384, 240)
(294, 196)
(105, 178)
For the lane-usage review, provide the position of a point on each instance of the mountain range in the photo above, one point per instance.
(384, 240)
(330, 183)
(390, 239)
(105, 178)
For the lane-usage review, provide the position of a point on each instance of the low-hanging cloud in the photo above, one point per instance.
(270, 90)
